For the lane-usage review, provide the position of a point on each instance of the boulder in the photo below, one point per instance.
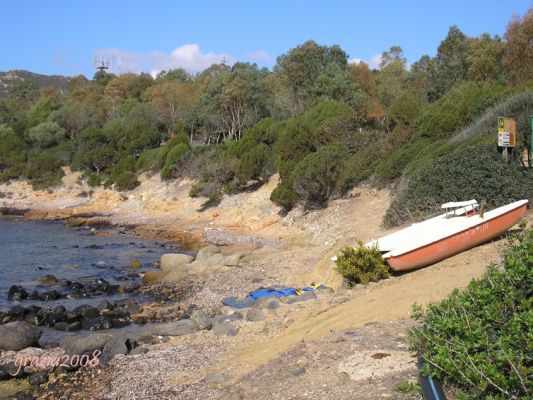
(178, 328)
(175, 275)
(135, 264)
(255, 314)
(225, 330)
(269, 302)
(207, 252)
(233, 260)
(84, 344)
(17, 293)
(172, 261)
(38, 378)
(201, 320)
(117, 345)
(153, 277)
(18, 335)
(48, 279)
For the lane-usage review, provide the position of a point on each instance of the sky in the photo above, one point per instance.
(65, 37)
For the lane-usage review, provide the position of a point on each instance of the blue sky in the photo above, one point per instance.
(62, 37)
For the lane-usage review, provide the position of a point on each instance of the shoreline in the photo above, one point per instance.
(293, 250)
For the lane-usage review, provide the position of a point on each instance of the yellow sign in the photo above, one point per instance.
(506, 132)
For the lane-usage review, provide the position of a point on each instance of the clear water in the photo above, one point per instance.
(31, 249)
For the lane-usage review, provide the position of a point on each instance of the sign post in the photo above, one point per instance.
(506, 134)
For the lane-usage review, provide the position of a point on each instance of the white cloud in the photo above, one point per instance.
(373, 62)
(260, 55)
(188, 57)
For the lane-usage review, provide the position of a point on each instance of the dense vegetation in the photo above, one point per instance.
(322, 123)
(479, 339)
(362, 264)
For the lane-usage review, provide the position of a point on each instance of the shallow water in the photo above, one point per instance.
(31, 249)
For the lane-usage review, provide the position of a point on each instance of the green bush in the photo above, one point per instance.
(179, 138)
(195, 190)
(46, 134)
(124, 166)
(321, 176)
(94, 179)
(475, 172)
(126, 181)
(284, 195)
(479, 339)
(43, 169)
(362, 264)
(173, 158)
(147, 161)
(254, 164)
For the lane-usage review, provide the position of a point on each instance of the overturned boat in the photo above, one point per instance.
(460, 228)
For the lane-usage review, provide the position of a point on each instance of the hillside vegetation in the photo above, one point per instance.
(322, 123)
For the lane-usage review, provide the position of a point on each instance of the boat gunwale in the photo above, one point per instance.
(454, 234)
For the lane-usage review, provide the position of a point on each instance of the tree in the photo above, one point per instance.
(46, 134)
(300, 68)
(392, 75)
(485, 59)
(452, 56)
(518, 49)
(171, 100)
(179, 75)
(25, 91)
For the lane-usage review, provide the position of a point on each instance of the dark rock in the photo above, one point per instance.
(38, 378)
(17, 293)
(116, 345)
(139, 351)
(17, 312)
(87, 311)
(119, 322)
(59, 309)
(96, 324)
(18, 335)
(138, 320)
(11, 370)
(67, 327)
(34, 295)
(53, 317)
(129, 305)
(201, 320)
(299, 372)
(178, 328)
(225, 330)
(104, 305)
(49, 296)
(255, 314)
(84, 344)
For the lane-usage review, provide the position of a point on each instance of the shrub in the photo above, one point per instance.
(475, 172)
(195, 190)
(46, 134)
(320, 176)
(362, 264)
(148, 160)
(94, 179)
(179, 138)
(126, 181)
(254, 164)
(173, 159)
(43, 169)
(479, 338)
(123, 166)
(283, 195)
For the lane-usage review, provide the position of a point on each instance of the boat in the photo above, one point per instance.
(464, 225)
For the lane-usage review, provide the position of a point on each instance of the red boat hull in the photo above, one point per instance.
(456, 243)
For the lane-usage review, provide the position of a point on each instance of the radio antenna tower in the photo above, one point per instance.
(101, 64)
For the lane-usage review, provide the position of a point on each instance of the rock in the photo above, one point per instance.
(135, 264)
(226, 319)
(207, 252)
(201, 320)
(153, 276)
(175, 275)
(18, 335)
(11, 370)
(48, 279)
(255, 314)
(104, 305)
(139, 351)
(87, 311)
(117, 345)
(49, 296)
(96, 324)
(129, 305)
(17, 312)
(68, 327)
(84, 344)
(303, 297)
(269, 302)
(171, 261)
(177, 328)
(233, 260)
(139, 320)
(17, 293)
(75, 222)
(54, 317)
(299, 372)
(119, 322)
(38, 378)
(225, 330)
(217, 377)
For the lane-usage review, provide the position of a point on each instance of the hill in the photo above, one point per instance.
(10, 78)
